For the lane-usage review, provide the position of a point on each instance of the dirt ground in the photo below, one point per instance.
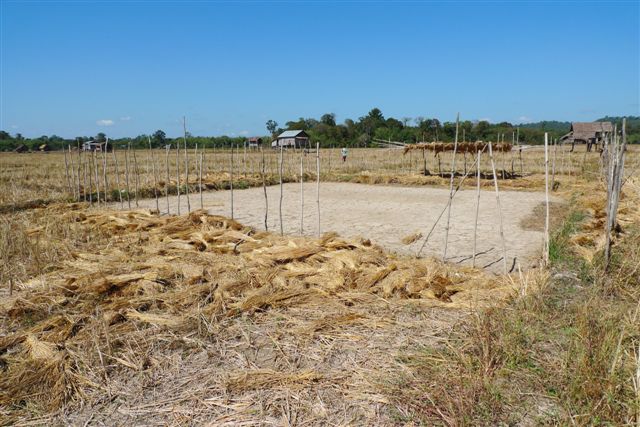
(386, 214)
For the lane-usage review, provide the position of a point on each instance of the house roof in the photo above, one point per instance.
(293, 134)
(583, 130)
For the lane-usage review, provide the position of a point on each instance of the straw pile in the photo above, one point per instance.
(176, 274)
(463, 147)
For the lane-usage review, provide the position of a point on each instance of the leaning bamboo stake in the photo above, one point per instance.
(186, 164)
(301, 192)
(66, 171)
(115, 161)
(231, 180)
(104, 170)
(281, 190)
(264, 189)
(135, 171)
(453, 169)
(178, 172)
(495, 182)
(475, 228)
(126, 174)
(166, 185)
(318, 183)
(200, 179)
(545, 254)
(155, 176)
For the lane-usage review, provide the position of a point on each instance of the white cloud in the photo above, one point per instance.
(244, 132)
(105, 122)
(125, 118)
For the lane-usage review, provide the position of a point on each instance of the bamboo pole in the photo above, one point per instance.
(155, 177)
(264, 189)
(115, 161)
(553, 164)
(95, 171)
(88, 166)
(281, 191)
(475, 228)
(126, 174)
(231, 180)
(318, 183)
(545, 254)
(453, 169)
(200, 179)
(83, 162)
(178, 172)
(166, 185)
(301, 192)
(66, 171)
(78, 171)
(135, 171)
(104, 170)
(186, 164)
(76, 196)
(495, 183)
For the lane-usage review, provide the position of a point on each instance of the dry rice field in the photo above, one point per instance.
(118, 316)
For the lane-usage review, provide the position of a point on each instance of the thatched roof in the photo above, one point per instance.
(589, 130)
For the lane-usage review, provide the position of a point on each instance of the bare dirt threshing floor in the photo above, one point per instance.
(386, 214)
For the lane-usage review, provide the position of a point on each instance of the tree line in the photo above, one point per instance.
(363, 132)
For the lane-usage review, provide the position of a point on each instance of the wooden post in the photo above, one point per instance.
(66, 171)
(475, 228)
(495, 182)
(178, 172)
(186, 164)
(88, 166)
(281, 190)
(83, 162)
(95, 171)
(76, 194)
(264, 189)
(200, 179)
(115, 161)
(244, 160)
(126, 174)
(135, 171)
(301, 192)
(545, 254)
(104, 170)
(453, 168)
(166, 185)
(318, 183)
(155, 177)
(231, 180)
(553, 164)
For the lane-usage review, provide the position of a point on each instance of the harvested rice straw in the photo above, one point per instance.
(126, 174)
(135, 170)
(115, 161)
(178, 172)
(411, 238)
(155, 176)
(495, 182)
(186, 163)
(281, 189)
(264, 189)
(453, 169)
(475, 228)
(166, 185)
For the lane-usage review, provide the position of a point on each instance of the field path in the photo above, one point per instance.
(386, 214)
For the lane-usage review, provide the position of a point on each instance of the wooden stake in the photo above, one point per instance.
(166, 185)
(178, 172)
(66, 171)
(126, 174)
(186, 165)
(84, 176)
(200, 179)
(281, 190)
(104, 170)
(95, 170)
(264, 189)
(231, 176)
(155, 176)
(553, 165)
(453, 169)
(495, 182)
(545, 254)
(115, 161)
(135, 170)
(301, 192)
(475, 228)
(88, 166)
(318, 183)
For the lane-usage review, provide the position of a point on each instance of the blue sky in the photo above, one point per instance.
(77, 68)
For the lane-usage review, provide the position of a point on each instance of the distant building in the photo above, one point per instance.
(291, 139)
(587, 133)
(96, 146)
(254, 142)
(21, 149)
(44, 147)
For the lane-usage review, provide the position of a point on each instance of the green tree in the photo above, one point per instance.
(272, 125)
(159, 138)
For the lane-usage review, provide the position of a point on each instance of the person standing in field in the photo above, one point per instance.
(344, 154)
